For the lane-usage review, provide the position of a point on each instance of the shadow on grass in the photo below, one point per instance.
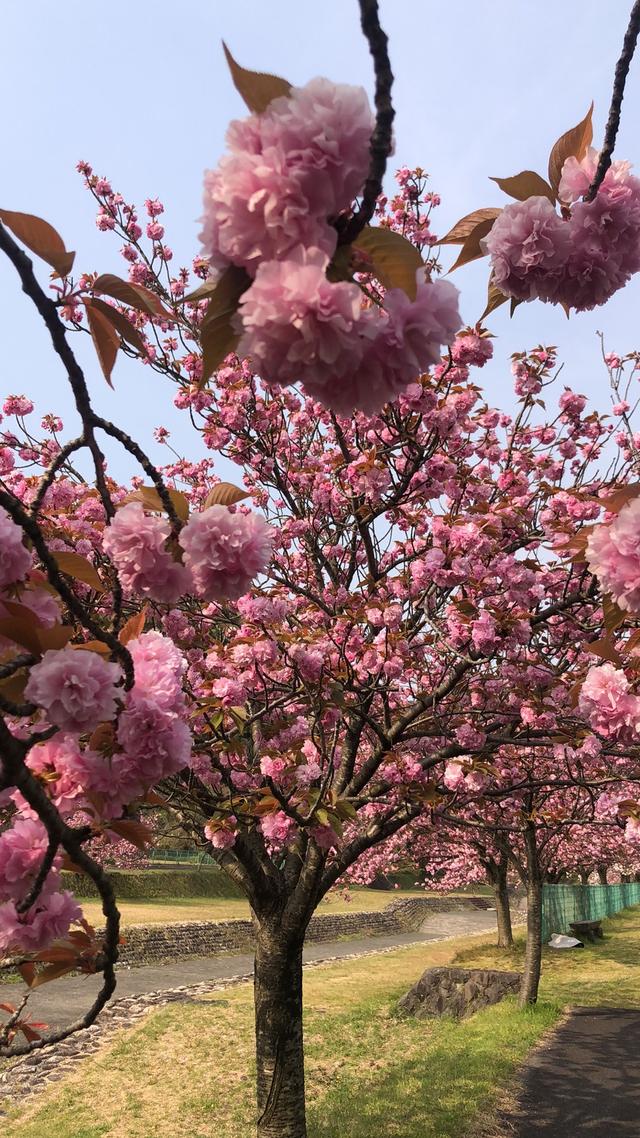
(445, 1075)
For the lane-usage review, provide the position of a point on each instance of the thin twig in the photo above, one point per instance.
(619, 80)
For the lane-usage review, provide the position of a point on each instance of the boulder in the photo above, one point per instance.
(458, 992)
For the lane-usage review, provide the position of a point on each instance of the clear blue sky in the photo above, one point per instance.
(142, 92)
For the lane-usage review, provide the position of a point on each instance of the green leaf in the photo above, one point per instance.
(257, 89)
(573, 144)
(395, 260)
(525, 185)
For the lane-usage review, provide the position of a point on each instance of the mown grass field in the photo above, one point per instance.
(168, 910)
(187, 1071)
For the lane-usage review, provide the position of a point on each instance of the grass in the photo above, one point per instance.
(187, 1071)
(170, 910)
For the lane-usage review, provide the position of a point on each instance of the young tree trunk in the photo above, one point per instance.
(533, 954)
(602, 874)
(279, 1045)
(584, 876)
(503, 908)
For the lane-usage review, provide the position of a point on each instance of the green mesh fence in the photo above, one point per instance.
(562, 904)
(194, 857)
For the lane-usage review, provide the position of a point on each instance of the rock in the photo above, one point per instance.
(457, 992)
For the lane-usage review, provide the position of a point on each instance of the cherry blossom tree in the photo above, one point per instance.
(294, 666)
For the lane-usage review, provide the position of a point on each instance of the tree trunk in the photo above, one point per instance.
(602, 874)
(533, 954)
(503, 908)
(584, 876)
(279, 1044)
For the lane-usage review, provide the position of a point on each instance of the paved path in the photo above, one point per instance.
(64, 1000)
(586, 1080)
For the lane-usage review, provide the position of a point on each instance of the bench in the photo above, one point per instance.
(587, 930)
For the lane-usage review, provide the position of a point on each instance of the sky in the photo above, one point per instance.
(142, 92)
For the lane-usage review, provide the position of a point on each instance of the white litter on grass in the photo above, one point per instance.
(558, 940)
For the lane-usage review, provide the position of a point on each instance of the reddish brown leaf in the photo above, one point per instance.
(134, 627)
(525, 185)
(120, 323)
(472, 248)
(151, 500)
(224, 494)
(106, 340)
(52, 973)
(614, 616)
(94, 646)
(134, 294)
(395, 260)
(573, 144)
(605, 650)
(23, 632)
(41, 238)
(27, 971)
(495, 297)
(132, 831)
(56, 637)
(12, 688)
(621, 497)
(78, 567)
(257, 89)
(218, 333)
(467, 224)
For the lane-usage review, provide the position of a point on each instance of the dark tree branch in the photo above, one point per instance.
(382, 138)
(619, 80)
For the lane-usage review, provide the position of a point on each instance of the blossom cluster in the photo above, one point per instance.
(222, 551)
(580, 259)
(269, 208)
(613, 555)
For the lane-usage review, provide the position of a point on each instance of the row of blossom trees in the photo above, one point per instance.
(387, 625)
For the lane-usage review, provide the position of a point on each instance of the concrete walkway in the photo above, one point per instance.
(585, 1081)
(62, 1001)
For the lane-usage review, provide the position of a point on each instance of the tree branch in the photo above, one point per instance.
(619, 80)
(381, 139)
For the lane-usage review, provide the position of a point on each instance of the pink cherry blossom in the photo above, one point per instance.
(159, 668)
(76, 689)
(47, 920)
(287, 172)
(607, 703)
(15, 559)
(613, 555)
(135, 542)
(529, 245)
(225, 551)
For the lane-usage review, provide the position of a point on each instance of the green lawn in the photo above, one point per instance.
(187, 1072)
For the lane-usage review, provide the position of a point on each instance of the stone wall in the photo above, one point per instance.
(151, 944)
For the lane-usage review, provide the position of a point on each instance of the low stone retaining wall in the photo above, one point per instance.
(155, 944)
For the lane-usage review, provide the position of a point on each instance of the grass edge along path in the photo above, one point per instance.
(187, 1071)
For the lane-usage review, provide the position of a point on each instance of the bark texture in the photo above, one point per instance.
(533, 954)
(279, 1039)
